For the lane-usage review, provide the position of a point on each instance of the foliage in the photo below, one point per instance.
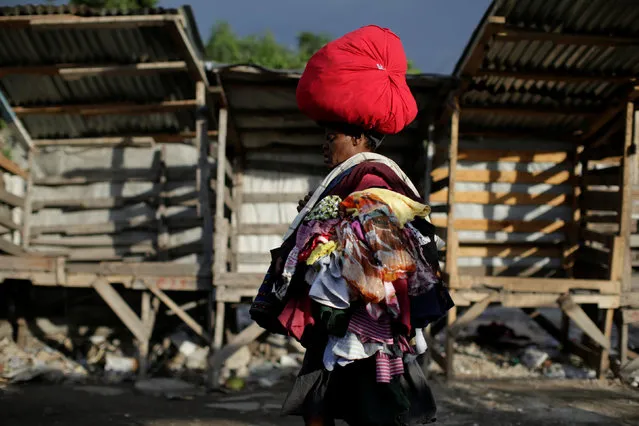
(115, 4)
(225, 47)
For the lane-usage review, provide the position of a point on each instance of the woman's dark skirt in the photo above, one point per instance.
(351, 393)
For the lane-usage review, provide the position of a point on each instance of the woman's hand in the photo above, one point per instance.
(303, 202)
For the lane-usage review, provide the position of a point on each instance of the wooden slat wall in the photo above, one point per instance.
(513, 205)
(112, 204)
(13, 182)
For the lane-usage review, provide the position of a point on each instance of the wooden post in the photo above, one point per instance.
(621, 268)
(163, 232)
(143, 345)
(604, 361)
(572, 232)
(221, 237)
(203, 179)
(452, 244)
(28, 201)
(622, 327)
(450, 343)
(236, 214)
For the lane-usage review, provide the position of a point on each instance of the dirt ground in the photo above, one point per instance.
(482, 402)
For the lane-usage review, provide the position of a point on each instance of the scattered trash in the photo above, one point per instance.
(555, 371)
(533, 358)
(38, 361)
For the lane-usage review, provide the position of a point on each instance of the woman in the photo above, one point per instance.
(357, 275)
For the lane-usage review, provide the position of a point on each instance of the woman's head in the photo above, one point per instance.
(343, 141)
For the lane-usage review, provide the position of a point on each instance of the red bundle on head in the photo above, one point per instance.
(359, 79)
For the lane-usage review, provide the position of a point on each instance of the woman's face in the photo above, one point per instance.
(339, 147)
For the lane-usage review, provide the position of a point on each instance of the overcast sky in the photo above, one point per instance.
(434, 32)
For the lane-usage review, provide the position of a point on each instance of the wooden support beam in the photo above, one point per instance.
(504, 198)
(628, 176)
(221, 235)
(11, 167)
(203, 176)
(540, 285)
(188, 320)
(452, 243)
(11, 199)
(10, 248)
(450, 343)
(56, 21)
(583, 321)
(121, 309)
(527, 112)
(515, 34)
(472, 314)
(554, 177)
(114, 108)
(556, 76)
(545, 226)
(117, 141)
(80, 70)
(513, 156)
(604, 361)
(603, 119)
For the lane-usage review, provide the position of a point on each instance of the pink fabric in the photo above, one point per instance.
(297, 315)
(388, 367)
(401, 291)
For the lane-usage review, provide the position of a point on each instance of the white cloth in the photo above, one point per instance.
(327, 285)
(420, 341)
(344, 350)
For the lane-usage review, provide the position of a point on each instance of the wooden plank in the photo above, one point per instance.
(279, 197)
(69, 20)
(451, 317)
(495, 110)
(508, 251)
(621, 252)
(95, 203)
(10, 248)
(512, 156)
(605, 118)
(95, 228)
(81, 70)
(581, 319)
(123, 141)
(11, 167)
(185, 317)
(230, 279)
(263, 229)
(220, 238)
(121, 309)
(505, 198)
(104, 175)
(203, 177)
(515, 33)
(541, 285)
(452, 243)
(569, 77)
(601, 238)
(8, 223)
(546, 226)
(110, 253)
(140, 269)
(26, 264)
(604, 361)
(11, 199)
(114, 108)
(471, 314)
(122, 239)
(489, 176)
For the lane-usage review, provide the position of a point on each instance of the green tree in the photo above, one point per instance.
(115, 4)
(224, 46)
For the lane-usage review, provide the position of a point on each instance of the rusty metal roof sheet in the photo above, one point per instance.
(558, 56)
(31, 37)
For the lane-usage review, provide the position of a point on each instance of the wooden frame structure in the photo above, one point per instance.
(503, 116)
(95, 255)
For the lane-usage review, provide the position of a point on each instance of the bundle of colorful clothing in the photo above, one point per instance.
(356, 265)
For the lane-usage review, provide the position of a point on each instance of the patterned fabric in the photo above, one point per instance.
(403, 208)
(281, 286)
(388, 367)
(327, 208)
(322, 250)
(339, 170)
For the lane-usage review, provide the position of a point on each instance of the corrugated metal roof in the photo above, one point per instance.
(265, 111)
(510, 73)
(97, 45)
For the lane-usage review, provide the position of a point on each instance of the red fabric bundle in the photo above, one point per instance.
(359, 79)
